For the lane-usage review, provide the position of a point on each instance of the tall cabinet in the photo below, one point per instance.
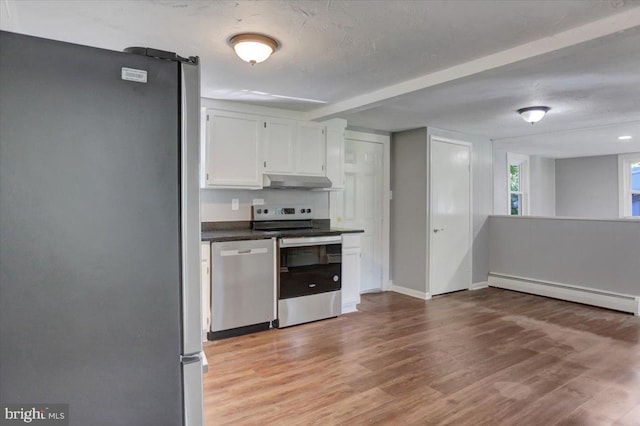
(335, 129)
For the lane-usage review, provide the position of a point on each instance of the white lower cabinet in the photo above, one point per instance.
(205, 285)
(350, 272)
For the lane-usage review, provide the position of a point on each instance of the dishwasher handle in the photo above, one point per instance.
(243, 252)
(309, 241)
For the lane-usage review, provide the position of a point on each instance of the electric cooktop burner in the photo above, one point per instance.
(286, 219)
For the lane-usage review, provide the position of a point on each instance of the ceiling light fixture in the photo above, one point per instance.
(624, 138)
(533, 114)
(253, 48)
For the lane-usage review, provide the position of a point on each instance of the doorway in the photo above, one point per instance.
(363, 205)
(449, 216)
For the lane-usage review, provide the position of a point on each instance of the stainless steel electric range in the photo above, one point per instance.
(309, 258)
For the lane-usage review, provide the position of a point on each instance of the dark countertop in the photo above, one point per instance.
(244, 233)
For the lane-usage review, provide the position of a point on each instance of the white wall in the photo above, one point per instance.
(587, 187)
(542, 186)
(215, 204)
(500, 179)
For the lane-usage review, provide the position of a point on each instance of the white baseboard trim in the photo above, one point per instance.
(410, 292)
(479, 285)
(572, 293)
(349, 306)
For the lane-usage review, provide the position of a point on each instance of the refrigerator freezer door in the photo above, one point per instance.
(90, 246)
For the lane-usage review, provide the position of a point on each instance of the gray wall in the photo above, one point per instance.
(587, 187)
(215, 204)
(597, 254)
(542, 185)
(542, 188)
(482, 169)
(409, 214)
(408, 233)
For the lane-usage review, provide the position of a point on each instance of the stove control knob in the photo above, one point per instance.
(336, 278)
(259, 211)
(266, 211)
(308, 210)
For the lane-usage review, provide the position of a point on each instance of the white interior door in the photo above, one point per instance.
(450, 217)
(362, 205)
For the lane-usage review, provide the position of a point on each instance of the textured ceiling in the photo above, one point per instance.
(334, 51)
(594, 85)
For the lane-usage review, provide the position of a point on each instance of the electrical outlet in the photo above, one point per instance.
(235, 204)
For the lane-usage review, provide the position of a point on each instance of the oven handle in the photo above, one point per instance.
(310, 241)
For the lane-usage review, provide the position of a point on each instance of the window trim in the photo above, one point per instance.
(523, 161)
(624, 183)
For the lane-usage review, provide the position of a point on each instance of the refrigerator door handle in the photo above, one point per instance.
(188, 359)
(191, 292)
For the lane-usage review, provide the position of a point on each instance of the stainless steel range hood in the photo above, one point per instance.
(295, 181)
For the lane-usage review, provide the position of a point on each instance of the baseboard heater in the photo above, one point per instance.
(572, 293)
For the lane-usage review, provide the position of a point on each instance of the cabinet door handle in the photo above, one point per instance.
(436, 230)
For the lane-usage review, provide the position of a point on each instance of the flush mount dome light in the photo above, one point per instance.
(533, 114)
(253, 48)
(624, 138)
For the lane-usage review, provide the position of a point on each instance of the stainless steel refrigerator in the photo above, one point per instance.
(99, 232)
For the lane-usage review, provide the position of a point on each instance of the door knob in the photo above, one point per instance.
(436, 230)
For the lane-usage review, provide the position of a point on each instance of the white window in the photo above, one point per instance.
(629, 184)
(518, 183)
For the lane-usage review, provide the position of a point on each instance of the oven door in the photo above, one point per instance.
(310, 265)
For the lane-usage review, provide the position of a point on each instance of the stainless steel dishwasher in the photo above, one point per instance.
(242, 287)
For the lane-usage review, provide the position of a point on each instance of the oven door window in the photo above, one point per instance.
(310, 270)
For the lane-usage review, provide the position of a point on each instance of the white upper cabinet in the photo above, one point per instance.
(294, 147)
(335, 129)
(233, 152)
(279, 145)
(238, 148)
(311, 149)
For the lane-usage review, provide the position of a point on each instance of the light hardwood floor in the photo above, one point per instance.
(484, 357)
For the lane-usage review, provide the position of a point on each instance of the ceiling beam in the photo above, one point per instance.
(591, 31)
